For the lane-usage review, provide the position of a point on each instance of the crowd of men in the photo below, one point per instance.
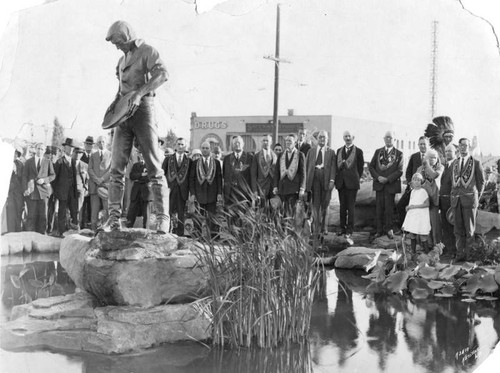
(74, 180)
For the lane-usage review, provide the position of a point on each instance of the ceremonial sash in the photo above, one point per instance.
(209, 174)
(173, 174)
(384, 160)
(349, 162)
(463, 177)
(294, 166)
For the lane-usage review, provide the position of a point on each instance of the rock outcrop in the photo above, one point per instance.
(135, 267)
(72, 322)
(358, 257)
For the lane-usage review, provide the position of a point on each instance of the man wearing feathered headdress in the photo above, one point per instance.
(440, 133)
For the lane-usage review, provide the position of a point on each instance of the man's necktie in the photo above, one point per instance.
(268, 157)
(38, 166)
(462, 165)
(319, 160)
(205, 164)
(100, 155)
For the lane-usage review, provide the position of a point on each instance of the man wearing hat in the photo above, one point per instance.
(85, 211)
(140, 72)
(15, 200)
(82, 181)
(38, 172)
(99, 166)
(88, 145)
(51, 155)
(65, 188)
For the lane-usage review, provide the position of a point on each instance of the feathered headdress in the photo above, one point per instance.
(436, 130)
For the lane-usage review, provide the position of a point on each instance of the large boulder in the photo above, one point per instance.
(135, 267)
(72, 323)
(26, 242)
(358, 257)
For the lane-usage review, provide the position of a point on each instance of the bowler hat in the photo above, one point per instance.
(48, 149)
(89, 140)
(68, 142)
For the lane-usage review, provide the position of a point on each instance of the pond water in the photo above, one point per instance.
(350, 332)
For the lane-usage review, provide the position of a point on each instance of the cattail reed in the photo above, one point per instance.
(263, 278)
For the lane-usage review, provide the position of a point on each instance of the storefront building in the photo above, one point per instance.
(219, 130)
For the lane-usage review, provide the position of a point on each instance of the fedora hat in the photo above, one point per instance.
(89, 140)
(68, 142)
(102, 192)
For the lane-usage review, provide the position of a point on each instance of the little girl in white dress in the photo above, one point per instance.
(417, 222)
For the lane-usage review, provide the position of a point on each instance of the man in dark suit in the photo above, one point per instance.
(205, 185)
(290, 177)
(38, 172)
(236, 174)
(262, 171)
(320, 180)
(177, 173)
(350, 163)
(86, 208)
(82, 182)
(65, 187)
(467, 185)
(51, 154)
(414, 163)
(386, 168)
(302, 144)
(140, 195)
(444, 199)
(15, 199)
(99, 174)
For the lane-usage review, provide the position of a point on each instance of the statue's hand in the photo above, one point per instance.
(133, 103)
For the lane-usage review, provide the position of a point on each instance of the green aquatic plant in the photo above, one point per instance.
(263, 277)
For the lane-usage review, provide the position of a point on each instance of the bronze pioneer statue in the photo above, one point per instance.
(140, 71)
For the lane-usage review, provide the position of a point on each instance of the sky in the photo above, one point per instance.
(357, 58)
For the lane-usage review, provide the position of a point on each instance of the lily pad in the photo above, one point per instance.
(449, 272)
(497, 274)
(485, 297)
(397, 281)
(473, 284)
(488, 283)
(468, 266)
(448, 289)
(429, 273)
(436, 284)
(420, 294)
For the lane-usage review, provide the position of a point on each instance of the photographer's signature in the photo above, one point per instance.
(467, 353)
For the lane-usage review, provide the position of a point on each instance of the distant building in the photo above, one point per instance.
(219, 130)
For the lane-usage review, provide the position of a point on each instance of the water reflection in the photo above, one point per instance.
(23, 281)
(386, 331)
(351, 331)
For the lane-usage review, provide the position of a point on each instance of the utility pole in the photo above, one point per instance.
(277, 61)
(434, 55)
